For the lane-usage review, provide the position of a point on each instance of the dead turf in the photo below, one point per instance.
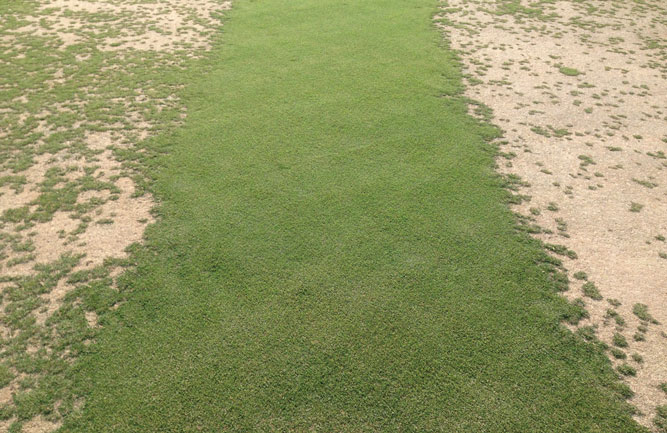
(580, 91)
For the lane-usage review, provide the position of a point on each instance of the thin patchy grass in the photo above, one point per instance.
(56, 99)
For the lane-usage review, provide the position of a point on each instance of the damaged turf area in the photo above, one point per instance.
(579, 89)
(82, 85)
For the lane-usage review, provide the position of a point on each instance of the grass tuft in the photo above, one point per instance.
(570, 72)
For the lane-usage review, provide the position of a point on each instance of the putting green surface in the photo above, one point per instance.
(334, 252)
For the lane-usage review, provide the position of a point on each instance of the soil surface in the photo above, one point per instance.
(580, 92)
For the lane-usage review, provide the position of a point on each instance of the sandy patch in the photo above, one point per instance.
(580, 91)
(40, 425)
(117, 25)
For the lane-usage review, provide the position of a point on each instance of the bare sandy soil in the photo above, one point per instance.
(81, 84)
(580, 92)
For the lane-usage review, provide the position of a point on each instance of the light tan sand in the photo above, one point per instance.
(588, 143)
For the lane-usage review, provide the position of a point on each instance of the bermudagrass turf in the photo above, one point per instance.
(334, 253)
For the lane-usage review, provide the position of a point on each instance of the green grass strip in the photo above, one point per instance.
(335, 253)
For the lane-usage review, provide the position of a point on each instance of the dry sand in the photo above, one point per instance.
(580, 92)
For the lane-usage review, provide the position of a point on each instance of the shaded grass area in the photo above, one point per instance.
(335, 253)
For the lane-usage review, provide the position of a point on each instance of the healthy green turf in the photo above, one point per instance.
(335, 253)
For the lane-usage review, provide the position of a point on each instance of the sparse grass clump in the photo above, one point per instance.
(561, 250)
(570, 72)
(641, 311)
(614, 302)
(617, 353)
(657, 155)
(591, 291)
(611, 313)
(636, 207)
(645, 183)
(627, 370)
(586, 160)
(619, 340)
(580, 275)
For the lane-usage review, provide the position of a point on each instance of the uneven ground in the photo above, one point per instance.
(332, 251)
(580, 91)
(80, 84)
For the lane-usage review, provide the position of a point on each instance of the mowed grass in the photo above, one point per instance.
(335, 253)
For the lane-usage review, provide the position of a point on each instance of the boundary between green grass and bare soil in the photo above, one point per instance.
(335, 253)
